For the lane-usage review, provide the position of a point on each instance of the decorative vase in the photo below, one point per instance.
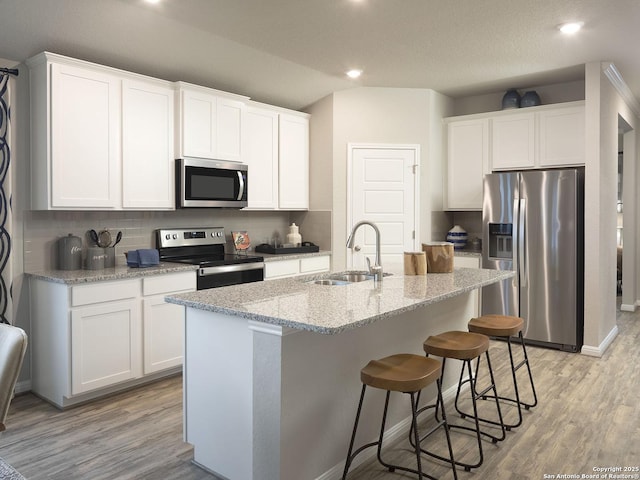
(511, 99)
(458, 236)
(530, 99)
(294, 237)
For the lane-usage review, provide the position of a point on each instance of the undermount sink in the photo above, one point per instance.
(352, 277)
(344, 278)
(330, 281)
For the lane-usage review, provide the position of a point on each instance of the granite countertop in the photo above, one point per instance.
(301, 304)
(74, 277)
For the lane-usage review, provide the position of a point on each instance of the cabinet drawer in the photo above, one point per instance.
(281, 268)
(175, 282)
(104, 292)
(314, 264)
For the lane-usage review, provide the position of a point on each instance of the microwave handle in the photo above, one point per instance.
(241, 180)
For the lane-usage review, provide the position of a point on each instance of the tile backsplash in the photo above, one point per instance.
(42, 229)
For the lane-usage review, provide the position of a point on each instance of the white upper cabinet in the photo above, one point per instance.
(147, 146)
(535, 137)
(562, 136)
(277, 153)
(468, 161)
(261, 156)
(84, 138)
(513, 141)
(544, 136)
(210, 123)
(87, 120)
(294, 162)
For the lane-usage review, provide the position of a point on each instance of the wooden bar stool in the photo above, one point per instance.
(466, 346)
(505, 327)
(405, 373)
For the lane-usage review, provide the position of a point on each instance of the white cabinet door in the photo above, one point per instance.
(513, 141)
(198, 124)
(261, 155)
(294, 162)
(85, 133)
(163, 334)
(467, 163)
(229, 129)
(105, 345)
(147, 146)
(562, 137)
(211, 126)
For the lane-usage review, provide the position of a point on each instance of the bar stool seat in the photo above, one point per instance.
(506, 327)
(466, 346)
(404, 373)
(496, 325)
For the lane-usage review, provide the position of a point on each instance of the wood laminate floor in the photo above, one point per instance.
(588, 416)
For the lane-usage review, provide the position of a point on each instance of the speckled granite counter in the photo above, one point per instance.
(73, 277)
(301, 304)
(266, 395)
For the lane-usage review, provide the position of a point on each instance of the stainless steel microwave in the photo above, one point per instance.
(210, 183)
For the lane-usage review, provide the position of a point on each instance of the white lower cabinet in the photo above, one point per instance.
(105, 345)
(93, 339)
(292, 267)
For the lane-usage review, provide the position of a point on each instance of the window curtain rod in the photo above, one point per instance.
(10, 71)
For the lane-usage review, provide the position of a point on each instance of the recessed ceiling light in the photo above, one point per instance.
(355, 73)
(571, 27)
(152, 1)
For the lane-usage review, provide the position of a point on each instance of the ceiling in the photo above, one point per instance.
(294, 52)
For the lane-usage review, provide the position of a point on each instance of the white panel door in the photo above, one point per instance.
(229, 129)
(294, 163)
(198, 124)
(163, 334)
(261, 156)
(383, 191)
(105, 345)
(147, 146)
(85, 121)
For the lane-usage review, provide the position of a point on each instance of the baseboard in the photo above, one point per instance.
(600, 349)
(400, 429)
(628, 308)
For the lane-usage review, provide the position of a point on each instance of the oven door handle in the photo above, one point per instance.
(240, 267)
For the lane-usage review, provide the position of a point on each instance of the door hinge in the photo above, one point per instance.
(413, 235)
(415, 168)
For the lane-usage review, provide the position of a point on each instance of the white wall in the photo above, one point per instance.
(376, 115)
(603, 105)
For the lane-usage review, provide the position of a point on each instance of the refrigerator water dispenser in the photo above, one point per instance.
(501, 240)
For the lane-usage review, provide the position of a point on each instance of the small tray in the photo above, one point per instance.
(266, 248)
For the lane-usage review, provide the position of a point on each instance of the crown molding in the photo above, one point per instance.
(620, 85)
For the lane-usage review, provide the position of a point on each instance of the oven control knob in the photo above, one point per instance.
(213, 234)
(219, 234)
(175, 236)
(167, 236)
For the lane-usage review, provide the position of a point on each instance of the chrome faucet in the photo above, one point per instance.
(376, 269)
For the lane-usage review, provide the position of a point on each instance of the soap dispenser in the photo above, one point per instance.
(294, 237)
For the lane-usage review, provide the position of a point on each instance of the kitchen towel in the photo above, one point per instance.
(143, 257)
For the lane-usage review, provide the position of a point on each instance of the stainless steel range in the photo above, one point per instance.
(205, 247)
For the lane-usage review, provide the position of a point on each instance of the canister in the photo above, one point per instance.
(95, 258)
(70, 253)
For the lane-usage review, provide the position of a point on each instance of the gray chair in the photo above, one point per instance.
(13, 345)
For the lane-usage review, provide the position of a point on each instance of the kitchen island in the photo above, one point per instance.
(271, 373)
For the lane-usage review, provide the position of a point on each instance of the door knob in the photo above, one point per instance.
(357, 248)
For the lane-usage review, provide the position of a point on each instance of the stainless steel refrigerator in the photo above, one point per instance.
(533, 223)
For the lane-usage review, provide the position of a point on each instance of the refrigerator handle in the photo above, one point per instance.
(516, 241)
(522, 246)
